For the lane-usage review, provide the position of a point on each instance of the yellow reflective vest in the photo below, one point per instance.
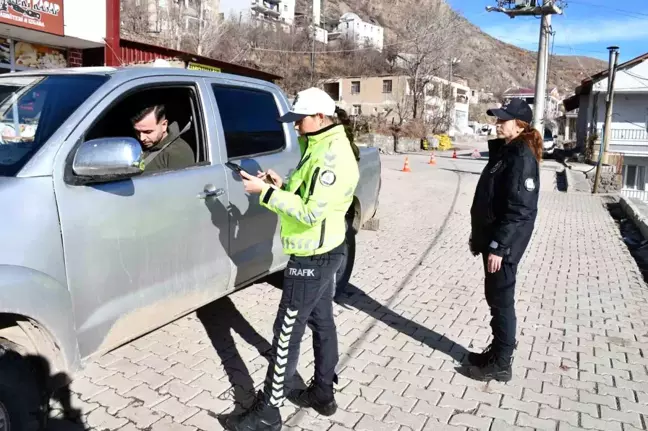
(313, 203)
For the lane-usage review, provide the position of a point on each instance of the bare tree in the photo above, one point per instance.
(426, 45)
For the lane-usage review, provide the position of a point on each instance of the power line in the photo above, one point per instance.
(602, 6)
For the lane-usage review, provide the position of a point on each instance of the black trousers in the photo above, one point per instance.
(499, 289)
(307, 299)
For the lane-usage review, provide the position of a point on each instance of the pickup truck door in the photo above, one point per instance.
(254, 139)
(144, 251)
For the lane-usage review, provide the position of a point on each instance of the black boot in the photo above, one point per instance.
(260, 417)
(496, 368)
(318, 397)
(480, 359)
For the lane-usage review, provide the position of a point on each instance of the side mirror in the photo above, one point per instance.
(108, 159)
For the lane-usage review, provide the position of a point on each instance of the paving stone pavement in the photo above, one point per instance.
(414, 309)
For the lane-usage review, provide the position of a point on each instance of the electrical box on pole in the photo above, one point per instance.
(514, 8)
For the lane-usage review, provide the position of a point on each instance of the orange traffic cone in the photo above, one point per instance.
(406, 167)
(454, 154)
(432, 160)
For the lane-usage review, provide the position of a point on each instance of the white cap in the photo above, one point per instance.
(311, 101)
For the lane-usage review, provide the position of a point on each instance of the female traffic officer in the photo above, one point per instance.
(503, 217)
(312, 208)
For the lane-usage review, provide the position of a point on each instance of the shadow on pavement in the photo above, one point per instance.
(354, 297)
(220, 318)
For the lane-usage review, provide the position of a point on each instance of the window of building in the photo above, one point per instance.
(387, 86)
(634, 177)
(182, 109)
(356, 110)
(355, 87)
(249, 119)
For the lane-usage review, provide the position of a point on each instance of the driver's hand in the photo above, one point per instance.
(276, 178)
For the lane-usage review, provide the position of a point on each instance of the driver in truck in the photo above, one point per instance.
(312, 206)
(161, 142)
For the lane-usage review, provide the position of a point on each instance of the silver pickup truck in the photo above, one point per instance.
(97, 251)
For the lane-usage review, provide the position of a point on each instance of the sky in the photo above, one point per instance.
(586, 27)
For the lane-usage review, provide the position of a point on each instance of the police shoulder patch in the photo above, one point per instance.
(327, 178)
(529, 184)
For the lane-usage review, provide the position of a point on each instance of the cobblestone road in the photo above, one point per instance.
(415, 308)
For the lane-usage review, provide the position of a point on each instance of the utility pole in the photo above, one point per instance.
(315, 21)
(541, 73)
(544, 8)
(609, 104)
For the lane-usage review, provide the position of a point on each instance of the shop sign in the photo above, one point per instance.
(198, 66)
(42, 15)
(38, 56)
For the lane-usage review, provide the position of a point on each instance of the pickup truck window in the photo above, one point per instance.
(250, 121)
(32, 108)
(181, 106)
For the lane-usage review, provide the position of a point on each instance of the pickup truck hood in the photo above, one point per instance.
(29, 226)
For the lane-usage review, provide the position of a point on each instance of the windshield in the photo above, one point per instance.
(32, 108)
(548, 136)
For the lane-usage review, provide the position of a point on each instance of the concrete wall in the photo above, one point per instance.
(386, 143)
(637, 211)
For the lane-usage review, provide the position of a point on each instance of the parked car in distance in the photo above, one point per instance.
(549, 143)
(96, 251)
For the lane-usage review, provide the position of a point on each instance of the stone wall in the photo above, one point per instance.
(386, 143)
(610, 181)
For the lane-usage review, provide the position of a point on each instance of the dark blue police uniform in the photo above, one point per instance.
(503, 216)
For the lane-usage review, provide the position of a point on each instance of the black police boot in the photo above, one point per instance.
(318, 397)
(260, 417)
(496, 368)
(481, 359)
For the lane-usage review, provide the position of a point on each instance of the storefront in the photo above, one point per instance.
(46, 34)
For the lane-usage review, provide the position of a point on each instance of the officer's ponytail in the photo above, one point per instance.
(341, 117)
(532, 138)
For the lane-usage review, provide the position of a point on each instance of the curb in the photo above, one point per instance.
(637, 211)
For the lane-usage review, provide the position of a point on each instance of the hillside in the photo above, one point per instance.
(486, 63)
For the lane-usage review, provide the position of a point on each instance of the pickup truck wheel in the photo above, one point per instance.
(20, 395)
(343, 275)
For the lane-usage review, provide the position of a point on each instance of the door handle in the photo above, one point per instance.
(211, 191)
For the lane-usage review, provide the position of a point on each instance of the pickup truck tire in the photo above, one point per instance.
(20, 395)
(343, 274)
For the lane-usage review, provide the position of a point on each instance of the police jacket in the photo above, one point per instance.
(505, 205)
(313, 203)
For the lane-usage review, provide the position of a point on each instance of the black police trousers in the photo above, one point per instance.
(500, 295)
(307, 299)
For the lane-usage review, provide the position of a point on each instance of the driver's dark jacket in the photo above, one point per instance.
(505, 205)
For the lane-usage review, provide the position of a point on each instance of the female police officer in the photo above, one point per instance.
(503, 217)
(312, 208)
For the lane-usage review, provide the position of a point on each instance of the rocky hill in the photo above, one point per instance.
(487, 63)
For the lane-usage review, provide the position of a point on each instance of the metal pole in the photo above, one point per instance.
(609, 104)
(541, 71)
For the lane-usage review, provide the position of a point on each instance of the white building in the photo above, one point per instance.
(361, 33)
(269, 10)
(629, 129)
(435, 102)
(552, 101)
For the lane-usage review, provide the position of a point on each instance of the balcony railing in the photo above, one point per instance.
(627, 134)
(637, 194)
(267, 7)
